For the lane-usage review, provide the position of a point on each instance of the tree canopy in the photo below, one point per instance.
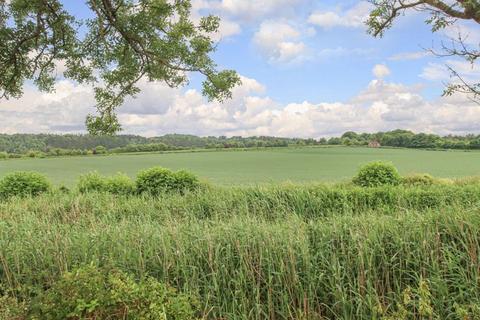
(123, 41)
(441, 14)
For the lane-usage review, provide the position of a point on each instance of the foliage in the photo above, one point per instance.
(120, 184)
(421, 179)
(122, 42)
(155, 181)
(23, 183)
(376, 174)
(186, 181)
(70, 144)
(11, 308)
(93, 293)
(92, 182)
(158, 180)
(415, 303)
(74, 145)
(99, 150)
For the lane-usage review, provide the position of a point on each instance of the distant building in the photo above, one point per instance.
(374, 144)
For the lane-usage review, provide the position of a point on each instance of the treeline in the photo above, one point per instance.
(409, 139)
(41, 145)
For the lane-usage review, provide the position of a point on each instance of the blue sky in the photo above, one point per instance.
(309, 67)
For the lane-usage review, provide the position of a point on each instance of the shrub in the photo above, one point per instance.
(155, 181)
(158, 180)
(120, 184)
(24, 183)
(3, 155)
(92, 182)
(99, 150)
(186, 181)
(94, 293)
(376, 174)
(422, 179)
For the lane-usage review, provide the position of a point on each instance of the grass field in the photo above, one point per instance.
(259, 166)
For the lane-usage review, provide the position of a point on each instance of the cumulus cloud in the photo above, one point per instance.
(159, 110)
(281, 42)
(381, 71)
(352, 18)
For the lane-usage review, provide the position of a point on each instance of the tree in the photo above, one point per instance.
(123, 42)
(441, 15)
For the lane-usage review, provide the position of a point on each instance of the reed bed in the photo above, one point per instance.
(285, 252)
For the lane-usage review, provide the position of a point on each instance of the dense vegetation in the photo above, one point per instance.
(37, 145)
(408, 139)
(40, 145)
(406, 251)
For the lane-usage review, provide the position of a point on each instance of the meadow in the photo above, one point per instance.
(310, 164)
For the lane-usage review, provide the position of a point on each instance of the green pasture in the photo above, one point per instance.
(258, 166)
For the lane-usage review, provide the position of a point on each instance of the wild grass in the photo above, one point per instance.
(284, 252)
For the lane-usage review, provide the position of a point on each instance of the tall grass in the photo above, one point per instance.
(264, 253)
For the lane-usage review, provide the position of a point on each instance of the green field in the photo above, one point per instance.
(259, 166)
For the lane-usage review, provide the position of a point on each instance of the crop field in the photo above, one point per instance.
(258, 166)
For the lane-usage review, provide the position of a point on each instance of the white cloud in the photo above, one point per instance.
(249, 10)
(352, 18)
(159, 110)
(440, 72)
(228, 27)
(381, 71)
(469, 34)
(410, 56)
(280, 42)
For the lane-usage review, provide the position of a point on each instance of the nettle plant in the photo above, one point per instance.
(122, 42)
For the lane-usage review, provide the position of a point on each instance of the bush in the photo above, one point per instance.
(422, 179)
(155, 181)
(23, 184)
(120, 184)
(186, 181)
(3, 155)
(158, 180)
(99, 150)
(92, 182)
(377, 174)
(94, 293)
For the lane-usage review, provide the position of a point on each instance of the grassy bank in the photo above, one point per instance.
(291, 252)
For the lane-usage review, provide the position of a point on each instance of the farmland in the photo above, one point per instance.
(327, 164)
(242, 246)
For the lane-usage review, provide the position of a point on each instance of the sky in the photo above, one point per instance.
(308, 68)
